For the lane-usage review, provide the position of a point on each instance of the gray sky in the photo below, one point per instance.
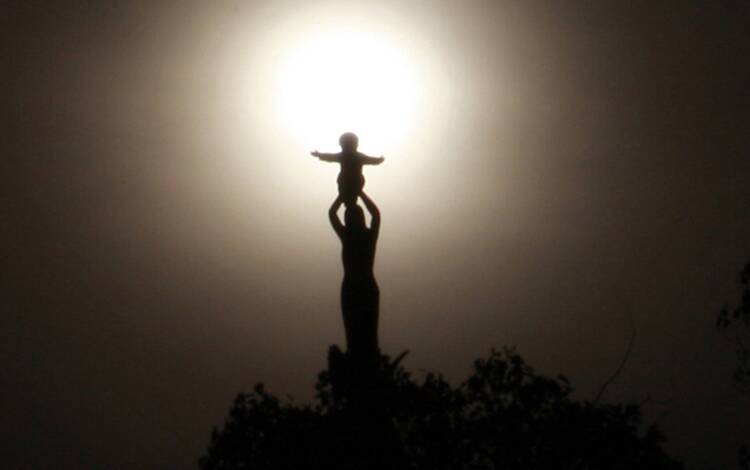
(582, 165)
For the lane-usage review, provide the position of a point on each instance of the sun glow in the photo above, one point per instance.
(323, 71)
(332, 81)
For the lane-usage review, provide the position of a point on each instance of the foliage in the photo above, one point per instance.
(735, 324)
(505, 416)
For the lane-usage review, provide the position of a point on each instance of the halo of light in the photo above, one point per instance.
(343, 80)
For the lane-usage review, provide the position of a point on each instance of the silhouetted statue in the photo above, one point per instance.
(360, 296)
(350, 179)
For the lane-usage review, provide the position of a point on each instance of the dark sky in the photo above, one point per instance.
(161, 253)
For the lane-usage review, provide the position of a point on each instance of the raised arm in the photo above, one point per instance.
(374, 212)
(338, 227)
(326, 157)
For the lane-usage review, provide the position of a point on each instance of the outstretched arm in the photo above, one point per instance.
(367, 160)
(374, 212)
(338, 227)
(326, 157)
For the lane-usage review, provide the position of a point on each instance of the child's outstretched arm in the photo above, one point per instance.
(326, 157)
(367, 160)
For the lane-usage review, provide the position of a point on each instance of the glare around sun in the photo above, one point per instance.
(346, 80)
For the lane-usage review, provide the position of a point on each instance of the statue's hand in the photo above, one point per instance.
(315, 153)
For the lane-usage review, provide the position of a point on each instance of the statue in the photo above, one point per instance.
(350, 179)
(360, 296)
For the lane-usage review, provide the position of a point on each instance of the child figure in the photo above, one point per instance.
(350, 179)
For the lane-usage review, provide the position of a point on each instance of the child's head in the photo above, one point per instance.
(349, 142)
(354, 217)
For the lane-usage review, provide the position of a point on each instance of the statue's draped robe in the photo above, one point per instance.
(360, 295)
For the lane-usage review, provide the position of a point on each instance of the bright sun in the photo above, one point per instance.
(347, 80)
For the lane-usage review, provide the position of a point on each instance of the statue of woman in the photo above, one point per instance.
(360, 296)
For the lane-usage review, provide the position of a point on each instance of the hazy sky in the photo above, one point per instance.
(570, 167)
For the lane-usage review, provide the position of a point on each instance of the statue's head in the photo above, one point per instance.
(354, 218)
(349, 142)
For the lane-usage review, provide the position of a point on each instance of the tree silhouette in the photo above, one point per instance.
(505, 416)
(735, 324)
